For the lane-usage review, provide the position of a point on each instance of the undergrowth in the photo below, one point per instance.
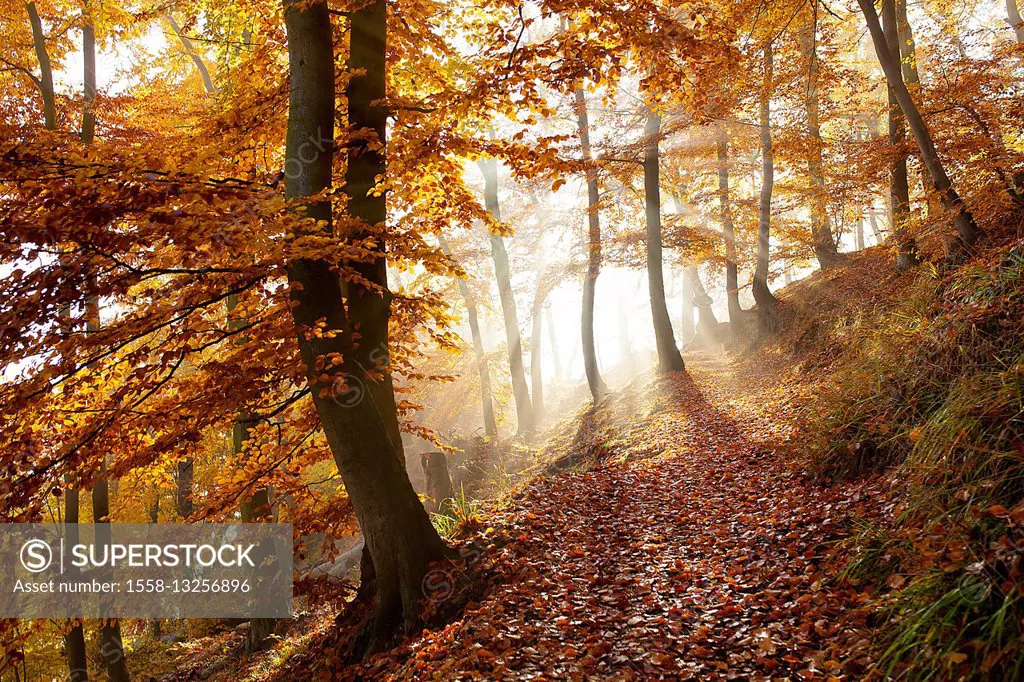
(931, 389)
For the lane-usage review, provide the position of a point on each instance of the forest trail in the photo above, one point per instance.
(691, 552)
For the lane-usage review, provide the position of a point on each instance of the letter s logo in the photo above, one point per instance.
(36, 555)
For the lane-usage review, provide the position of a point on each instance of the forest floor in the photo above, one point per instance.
(694, 550)
(689, 543)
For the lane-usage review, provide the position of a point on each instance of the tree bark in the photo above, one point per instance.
(860, 232)
(74, 640)
(821, 232)
(45, 81)
(553, 340)
(732, 284)
(204, 73)
(912, 76)
(490, 425)
(899, 186)
(669, 358)
(594, 380)
(762, 294)
(1014, 20)
(537, 346)
(525, 419)
(399, 536)
(707, 323)
(688, 324)
(967, 230)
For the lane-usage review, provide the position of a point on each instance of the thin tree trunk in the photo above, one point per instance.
(204, 73)
(912, 76)
(490, 425)
(74, 640)
(1014, 20)
(873, 222)
(594, 381)
(399, 536)
(553, 341)
(111, 649)
(525, 419)
(899, 186)
(824, 243)
(45, 81)
(762, 294)
(707, 323)
(860, 232)
(537, 346)
(688, 324)
(967, 230)
(669, 358)
(732, 284)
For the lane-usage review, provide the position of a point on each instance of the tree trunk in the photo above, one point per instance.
(899, 186)
(183, 497)
(89, 82)
(439, 482)
(707, 323)
(967, 230)
(594, 381)
(45, 82)
(490, 425)
(873, 222)
(824, 243)
(204, 73)
(762, 294)
(860, 232)
(537, 347)
(669, 358)
(732, 284)
(912, 76)
(553, 340)
(502, 273)
(399, 536)
(688, 324)
(74, 640)
(109, 636)
(1014, 20)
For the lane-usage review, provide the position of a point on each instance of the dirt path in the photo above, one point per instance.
(692, 553)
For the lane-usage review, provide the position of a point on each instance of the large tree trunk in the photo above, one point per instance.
(45, 82)
(399, 536)
(490, 425)
(594, 381)
(1014, 20)
(824, 243)
(732, 283)
(669, 358)
(967, 230)
(762, 294)
(525, 420)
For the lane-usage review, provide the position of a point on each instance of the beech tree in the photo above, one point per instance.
(967, 230)
(400, 540)
(669, 358)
